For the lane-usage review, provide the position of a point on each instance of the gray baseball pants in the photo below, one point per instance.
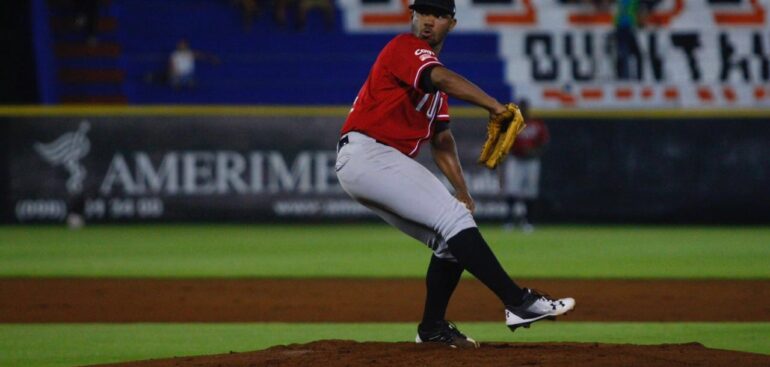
(401, 191)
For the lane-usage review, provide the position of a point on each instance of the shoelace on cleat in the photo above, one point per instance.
(545, 297)
(541, 294)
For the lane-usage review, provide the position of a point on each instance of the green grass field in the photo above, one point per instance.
(377, 251)
(359, 251)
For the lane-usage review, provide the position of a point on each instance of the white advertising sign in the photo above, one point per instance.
(691, 54)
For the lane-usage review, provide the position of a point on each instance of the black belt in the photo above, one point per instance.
(344, 141)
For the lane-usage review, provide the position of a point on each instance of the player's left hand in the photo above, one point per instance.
(498, 113)
(467, 200)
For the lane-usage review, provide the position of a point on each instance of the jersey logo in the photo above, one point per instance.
(426, 57)
(422, 51)
(424, 54)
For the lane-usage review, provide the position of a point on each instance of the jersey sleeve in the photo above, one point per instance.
(408, 58)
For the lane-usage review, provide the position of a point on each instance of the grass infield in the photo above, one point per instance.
(370, 251)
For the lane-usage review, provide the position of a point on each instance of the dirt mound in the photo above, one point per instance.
(332, 353)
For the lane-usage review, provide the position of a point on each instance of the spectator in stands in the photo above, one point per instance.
(181, 64)
(249, 11)
(325, 6)
(520, 173)
(303, 8)
(87, 18)
(627, 20)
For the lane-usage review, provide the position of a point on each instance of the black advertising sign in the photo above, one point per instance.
(159, 168)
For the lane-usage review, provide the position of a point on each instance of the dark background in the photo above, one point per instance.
(17, 65)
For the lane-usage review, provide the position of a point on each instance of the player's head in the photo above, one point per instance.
(432, 20)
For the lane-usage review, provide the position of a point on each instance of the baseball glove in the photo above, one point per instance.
(501, 133)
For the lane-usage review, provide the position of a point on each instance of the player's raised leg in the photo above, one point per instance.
(403, 191)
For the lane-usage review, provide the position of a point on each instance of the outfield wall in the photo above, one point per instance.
(273, 164)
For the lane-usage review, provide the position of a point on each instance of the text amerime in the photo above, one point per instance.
(220, 173)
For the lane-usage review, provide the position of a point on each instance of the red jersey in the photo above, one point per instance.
(534, 136)
(391, 107)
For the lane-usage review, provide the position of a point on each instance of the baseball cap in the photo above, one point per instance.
(445, 5)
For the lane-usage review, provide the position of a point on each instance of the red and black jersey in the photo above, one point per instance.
(533, 137)
(391, 107)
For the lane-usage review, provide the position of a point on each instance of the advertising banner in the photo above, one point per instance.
(152, 168)
(126, 168)
(696, 54)
(149, 168)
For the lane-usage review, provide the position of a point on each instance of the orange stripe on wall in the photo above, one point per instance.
(671, 93)
(664, 18)
(704, 94)
(401, 17)
(729, 94)
(590, 18)
(528, 16)
(624, 93)
(385, 19)
(592, 93)
(755, 17)
(760, 93)
(551, 93)
(563, 97)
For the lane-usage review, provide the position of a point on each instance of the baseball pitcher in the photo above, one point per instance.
(403, 103)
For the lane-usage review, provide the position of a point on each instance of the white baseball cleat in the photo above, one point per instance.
(536, 307)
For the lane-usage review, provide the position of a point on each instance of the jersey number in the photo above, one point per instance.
(432, 107)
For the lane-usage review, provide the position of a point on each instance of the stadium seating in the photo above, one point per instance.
(265, 64)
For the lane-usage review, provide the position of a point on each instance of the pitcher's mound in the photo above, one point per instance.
(333, 353)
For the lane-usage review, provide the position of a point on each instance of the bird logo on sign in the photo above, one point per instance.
(67, 151)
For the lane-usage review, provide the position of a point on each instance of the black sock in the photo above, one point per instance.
(524, 216)
(528, 209)
(473, 253)
(440, 282)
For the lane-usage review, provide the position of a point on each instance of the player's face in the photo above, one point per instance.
(432, 25)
